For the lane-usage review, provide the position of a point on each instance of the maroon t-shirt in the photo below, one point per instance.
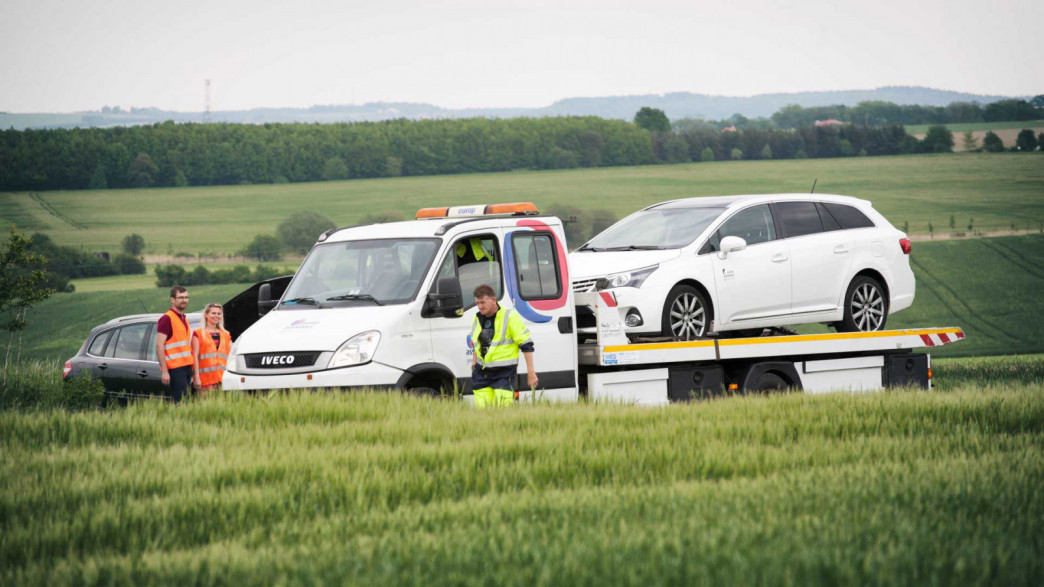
(164, 327)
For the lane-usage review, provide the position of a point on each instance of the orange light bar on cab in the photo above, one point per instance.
(512, 208)
(432, 212)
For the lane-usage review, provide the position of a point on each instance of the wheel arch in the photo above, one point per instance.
(877, 276)
(706, 295)
(430, 373)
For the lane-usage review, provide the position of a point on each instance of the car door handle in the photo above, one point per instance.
(103, 366)
(143, 373)
(780, 257)
(841, 250)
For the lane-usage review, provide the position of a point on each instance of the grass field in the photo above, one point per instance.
(920, 129)
(989, 287)
(993, 189)
(902, 487)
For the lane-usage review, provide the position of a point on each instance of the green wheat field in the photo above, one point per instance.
(901, 487)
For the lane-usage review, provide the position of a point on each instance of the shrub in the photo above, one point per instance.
(133, 244)
(1026, 141)
(766, 152)
(169, 275)
(736, 154)
(800, 154)
(707, 154)
(39, 385)
(264, 247)
(128, 265)
(992, 143)
(939, 139)
(300, 230)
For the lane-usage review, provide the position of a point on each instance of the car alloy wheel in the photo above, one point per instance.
(685, 315)
(865, 306)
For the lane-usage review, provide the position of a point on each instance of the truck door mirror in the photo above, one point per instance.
(446, 300)
(264, 299)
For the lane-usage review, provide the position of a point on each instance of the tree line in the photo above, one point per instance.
(169, 154)
(874, 113)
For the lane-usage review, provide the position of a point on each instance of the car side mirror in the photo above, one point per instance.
(265, 303)
(447, 300)
(731, 244)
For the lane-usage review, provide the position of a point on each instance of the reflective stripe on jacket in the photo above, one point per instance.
(177, 350)
(212, 358)
(509, 331)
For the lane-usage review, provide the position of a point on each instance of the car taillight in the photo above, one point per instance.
(906, 245)
(67, 369)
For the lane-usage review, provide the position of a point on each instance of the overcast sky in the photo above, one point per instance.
(58, 55)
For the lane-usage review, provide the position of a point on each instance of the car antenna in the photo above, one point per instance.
(814, 185)
(143, 306)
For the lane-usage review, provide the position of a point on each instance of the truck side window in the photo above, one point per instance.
(537, 266)
(474, 260)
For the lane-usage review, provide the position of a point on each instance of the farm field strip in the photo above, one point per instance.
(994, 189)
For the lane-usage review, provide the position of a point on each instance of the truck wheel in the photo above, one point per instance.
(685, 313)
(769, 381)
(866, 306)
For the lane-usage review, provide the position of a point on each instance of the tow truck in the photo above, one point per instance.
(389, 306)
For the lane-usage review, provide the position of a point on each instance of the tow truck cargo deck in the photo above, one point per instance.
(653, 373)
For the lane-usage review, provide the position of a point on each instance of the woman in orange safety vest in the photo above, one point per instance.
(210, 348)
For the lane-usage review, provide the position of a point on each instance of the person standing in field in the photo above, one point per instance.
(210, 348)
(498, 336)
(173, 346)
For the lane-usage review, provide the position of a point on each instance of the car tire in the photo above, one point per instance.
(686, 313)
(866, 306)
(769, 382)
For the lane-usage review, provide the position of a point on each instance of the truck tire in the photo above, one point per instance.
(866, 306)
(686, 313)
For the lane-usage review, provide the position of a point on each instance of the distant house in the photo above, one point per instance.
(829, 122)
(730, 128)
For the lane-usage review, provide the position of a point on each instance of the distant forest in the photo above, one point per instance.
(169, 154)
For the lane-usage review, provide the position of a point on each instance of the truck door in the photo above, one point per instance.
(537, 281)
(473, 258)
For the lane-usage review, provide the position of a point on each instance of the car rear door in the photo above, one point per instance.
(820, 255)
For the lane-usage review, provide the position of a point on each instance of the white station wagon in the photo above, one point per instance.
(738, 264)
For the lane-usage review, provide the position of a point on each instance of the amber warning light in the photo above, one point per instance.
(515, 208)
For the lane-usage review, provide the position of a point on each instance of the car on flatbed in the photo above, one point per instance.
(736, 265)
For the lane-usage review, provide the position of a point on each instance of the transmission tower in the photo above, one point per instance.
(206, 98)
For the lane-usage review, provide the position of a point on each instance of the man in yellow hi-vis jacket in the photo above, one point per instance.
(498, 336)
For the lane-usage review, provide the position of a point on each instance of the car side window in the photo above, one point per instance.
(799, 218)
(150, 346)
(829, 223)
(129, 340)
(753, 225)
(474, 260)
(848, 216)
(97, 347)
(537, 267)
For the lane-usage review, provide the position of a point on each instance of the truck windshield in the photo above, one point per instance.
(658, 228)
(364, 272)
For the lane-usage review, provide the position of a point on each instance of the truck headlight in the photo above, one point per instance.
(627, 278)
(230, 363)
(357, 350)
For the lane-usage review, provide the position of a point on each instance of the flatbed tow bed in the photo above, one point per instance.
(652, 373)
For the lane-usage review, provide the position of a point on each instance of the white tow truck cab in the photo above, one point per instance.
(391, 306)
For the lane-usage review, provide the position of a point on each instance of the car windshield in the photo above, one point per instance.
(364, 272)
(657, 228)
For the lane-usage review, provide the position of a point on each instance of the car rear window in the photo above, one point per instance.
(98, 344)
(848, 216)
(829, 223)
(128, 343)
(799, 218)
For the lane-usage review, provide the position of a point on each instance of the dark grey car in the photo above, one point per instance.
(122, 352)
